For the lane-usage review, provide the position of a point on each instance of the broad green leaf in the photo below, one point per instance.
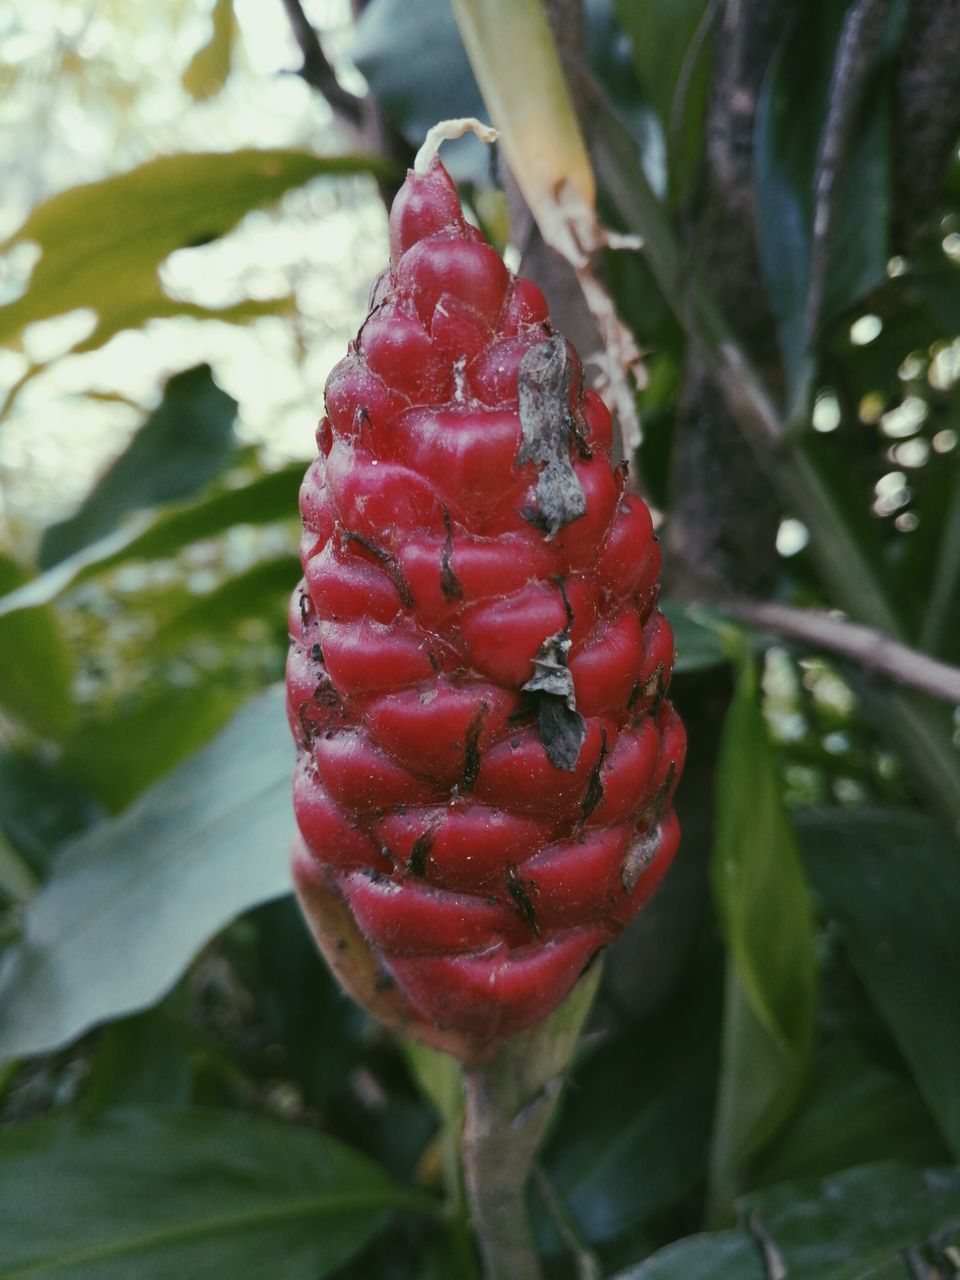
(179, 449)
(36, 669)
(102, 243)
(157, 1193)
(632, 1134)
(843, 1228)
(153, 535)
(210, 65)
(855, 1112)
(117, 756)
(791, 117)
(892, 880)
(131, 902)
(764, 910)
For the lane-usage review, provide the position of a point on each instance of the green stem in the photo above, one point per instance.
(510, 1100)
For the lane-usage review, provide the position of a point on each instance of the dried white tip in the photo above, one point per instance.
(446, 131)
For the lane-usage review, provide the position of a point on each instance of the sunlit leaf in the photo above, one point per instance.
(131, 902)
(515, 60)
(180, 448)
(210, 65)
(184, 1192)
(102, 244)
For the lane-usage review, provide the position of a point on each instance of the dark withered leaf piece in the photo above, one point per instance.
(547, 425)
(562, 727)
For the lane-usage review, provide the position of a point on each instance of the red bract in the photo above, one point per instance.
(478, 667)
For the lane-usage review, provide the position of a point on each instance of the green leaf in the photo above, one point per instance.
(36, 672)
(257, 592)
(856, 1112)
(102, 244)
(40, 807)
(892, 880)
(764, 909)
(210, 65)
(843, 1228)
(17, 881)
(117, 756)
(419, 81)
(662, 33)
(440, 1080)
(698, 645)
(180, 448)
(141, 1061)
(182, 1192)
(629, 1142)
(791, 118)
(152, 536)
(131, 902)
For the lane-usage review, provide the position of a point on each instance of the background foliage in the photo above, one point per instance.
(771, 1077)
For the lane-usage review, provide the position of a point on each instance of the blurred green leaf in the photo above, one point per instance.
(418, 81)
(140, 1061)
(855, 1112)
(698, 646)
(763, 905)
(210, 65)
(40, 807)
(118, 755)
(152, 536)
(179, 449)
(132, 901)
(791, 117)
(840, 1229)
(17, 881)
(440, 1080)
(36, 670)
(674, 74)
(892, 880)
(184, 1192)
(261, 591)
(102, 244)
(632, 1135)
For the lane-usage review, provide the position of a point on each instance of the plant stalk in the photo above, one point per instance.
(510, 1100)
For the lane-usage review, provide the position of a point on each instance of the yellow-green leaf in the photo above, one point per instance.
(210, 65)
(102, 244)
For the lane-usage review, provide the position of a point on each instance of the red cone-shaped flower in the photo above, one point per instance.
(478, 668)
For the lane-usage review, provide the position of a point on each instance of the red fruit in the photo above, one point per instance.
(478, 671)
